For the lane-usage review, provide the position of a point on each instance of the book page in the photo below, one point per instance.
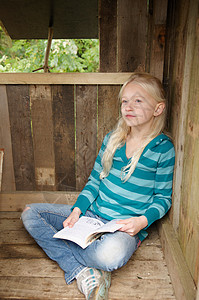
(80, 231)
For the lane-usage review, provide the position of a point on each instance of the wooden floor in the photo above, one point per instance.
(26, 272)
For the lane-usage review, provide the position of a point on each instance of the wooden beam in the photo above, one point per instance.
(1, 165)
(181, 278)
(8, 177)
(17, 200)
(67, 78)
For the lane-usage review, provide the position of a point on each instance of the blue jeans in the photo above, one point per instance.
(110, 252)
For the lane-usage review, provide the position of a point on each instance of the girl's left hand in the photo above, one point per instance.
(133, 225)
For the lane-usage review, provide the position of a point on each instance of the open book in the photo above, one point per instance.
(86, 230)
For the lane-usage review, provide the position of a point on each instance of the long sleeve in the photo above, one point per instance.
(161, 202)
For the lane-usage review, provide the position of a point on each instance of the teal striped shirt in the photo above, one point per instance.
(146, 193)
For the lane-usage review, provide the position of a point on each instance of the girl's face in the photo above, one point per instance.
(138, 108)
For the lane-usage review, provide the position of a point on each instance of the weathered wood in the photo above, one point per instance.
(16, 237)
(17, 201)
(64, 137)
(131, 41)
(10, 224)
(66, 78)
(86, 132)
(108, 110)
(180, 275)
(156, 37)
(42, 129)
(27, 273)
(188, 229)
(27, 251)
(1, 165)
(108, 35)
(29, 288)
(56, 288)
(40, 267)
(181, 74)
(22, 145)
(8, 180)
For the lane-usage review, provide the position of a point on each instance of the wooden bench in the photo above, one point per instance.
(27, 273)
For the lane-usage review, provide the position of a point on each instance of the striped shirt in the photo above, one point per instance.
(147, 192)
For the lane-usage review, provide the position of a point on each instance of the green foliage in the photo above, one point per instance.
(65, 55)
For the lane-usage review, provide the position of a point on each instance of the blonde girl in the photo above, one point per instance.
(131, 181)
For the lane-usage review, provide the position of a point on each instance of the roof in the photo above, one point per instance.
(30, 19)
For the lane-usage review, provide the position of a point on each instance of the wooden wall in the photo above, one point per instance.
(132, 35)
(181, 77)
(51, 133)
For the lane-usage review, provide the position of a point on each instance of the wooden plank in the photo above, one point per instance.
(133, 289)
(182, 76)
(107, 29)
(42, 128)
(42, 267)
(8, 180)
(27, 251)
(156, 37)
(188, 229)
(66, 78)
(64, 137)
(132, 42)
(29, 288)
(22, 146)
(11, 224)
(17, 201)
(56, 288)
(1, 166)
(180, 275)
(108, 110)
(16, 237)
(10, 215)
(86, 132)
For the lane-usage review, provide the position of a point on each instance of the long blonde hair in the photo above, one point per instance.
(117, 139)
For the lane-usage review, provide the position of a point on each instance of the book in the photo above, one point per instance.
(86, 230)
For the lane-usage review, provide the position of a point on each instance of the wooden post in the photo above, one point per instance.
(8, 180)
(1, 165)
(157, 14)
(108, 35)
(132, 35)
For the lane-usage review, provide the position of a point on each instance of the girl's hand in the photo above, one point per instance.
(72, 218)
(133, 225)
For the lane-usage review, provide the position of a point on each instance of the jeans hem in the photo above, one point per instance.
(69, 278)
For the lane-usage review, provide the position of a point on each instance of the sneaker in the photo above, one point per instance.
(94, 284)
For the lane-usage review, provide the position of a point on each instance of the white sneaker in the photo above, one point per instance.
(94, 284)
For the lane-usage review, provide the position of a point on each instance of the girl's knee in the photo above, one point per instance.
(113, 254)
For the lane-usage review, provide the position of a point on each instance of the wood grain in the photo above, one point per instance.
(42, 128)
(86, 132)
(8, 177)
(108, 110)
(27, 273)
(64, 137)
(22, 144)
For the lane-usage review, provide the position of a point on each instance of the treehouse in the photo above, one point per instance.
(52, 126)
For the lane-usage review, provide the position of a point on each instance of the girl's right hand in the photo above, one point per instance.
(72, 218)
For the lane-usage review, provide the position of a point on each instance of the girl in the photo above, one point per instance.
(131, 181)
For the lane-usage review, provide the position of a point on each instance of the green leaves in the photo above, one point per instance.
(65, 55)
